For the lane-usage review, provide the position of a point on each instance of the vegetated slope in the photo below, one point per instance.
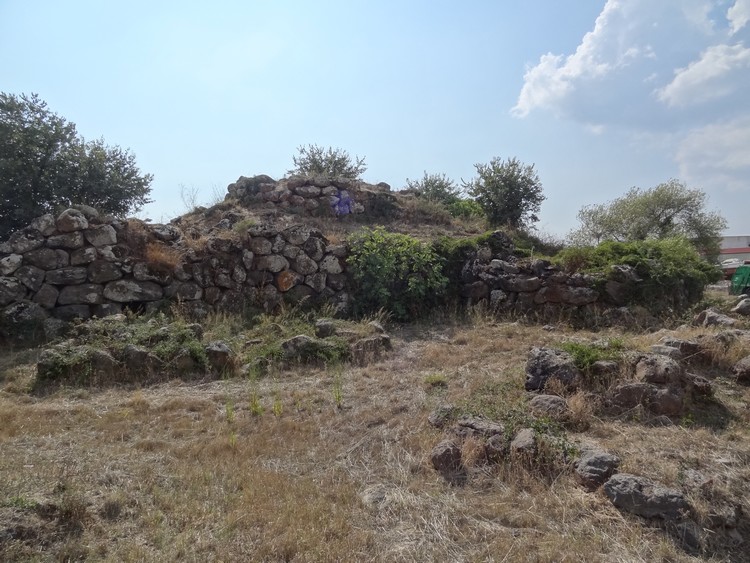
(311, 463)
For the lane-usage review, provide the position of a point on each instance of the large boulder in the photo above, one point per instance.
(547, 363)
(594, 467)
(643, 497)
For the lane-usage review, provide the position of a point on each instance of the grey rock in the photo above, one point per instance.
(87, 293)
(742, 308)
(331, 265)
(71, 220)
(336, 282)
(643, 497)
(10, 264)
(317, 281)
(325, 328)
(11, 290)
(83, 256)
(524, 444)
(247, 259)
(272, 263)
(26, 240)
(709, 317)
(219, 354)
(370, 350)
(260, 246)
(550, 406)
(668, 351)
(103, 271)
(31, 276)
(66, 276)
(101, 235)
(314, 247)
(595, 467)
(69, 241)
(659, 369)
(46, 296)
(45, 224)
(475, 426)
(89, 212)
(741, 370)
(630, 395)
(127, 291)
(188, 291)
(165, 233)
(547, 363)
(304, 264)
(520, 284)
(46, 259)
(445, 457)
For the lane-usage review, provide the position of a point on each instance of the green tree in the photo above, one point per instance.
(436, 187)
(45, 165)
(668, 210)
(509, 191)
(314, 160)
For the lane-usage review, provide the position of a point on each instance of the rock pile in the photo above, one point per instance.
(316, 195)
(81, 264)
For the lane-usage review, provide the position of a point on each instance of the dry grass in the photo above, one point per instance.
(340, 472)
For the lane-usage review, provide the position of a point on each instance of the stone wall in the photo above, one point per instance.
(317, 195)
(82, 264)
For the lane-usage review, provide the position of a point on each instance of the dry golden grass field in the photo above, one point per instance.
(331, 463)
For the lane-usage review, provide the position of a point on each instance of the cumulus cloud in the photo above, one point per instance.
(717, 155)
(738, 15)
(713, 75)
(675, 69)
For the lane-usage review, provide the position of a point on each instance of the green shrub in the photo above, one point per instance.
(673, 274)
(465, 208)
(586, 354)
(394, 272)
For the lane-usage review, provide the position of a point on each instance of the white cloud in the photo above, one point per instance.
(717, 157)
(672, 73)
(738, 15)
(709, 77)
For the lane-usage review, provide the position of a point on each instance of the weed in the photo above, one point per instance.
(278, 407)
(229, 412)
(436, 381)
(255, 406)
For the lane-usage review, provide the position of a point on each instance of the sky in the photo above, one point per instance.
(600, 95)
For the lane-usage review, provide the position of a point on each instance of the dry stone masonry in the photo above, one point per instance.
(81, 264)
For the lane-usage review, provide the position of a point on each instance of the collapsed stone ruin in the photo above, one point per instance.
(81, 263)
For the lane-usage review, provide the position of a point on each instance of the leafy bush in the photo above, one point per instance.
(334, 163)
(394, 272)
(435, 187)
(672, 272)
(465, 208)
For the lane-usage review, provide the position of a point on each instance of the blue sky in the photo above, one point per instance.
(601, 95)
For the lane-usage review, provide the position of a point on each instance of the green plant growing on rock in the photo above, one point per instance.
(394, 272)
(314, 160)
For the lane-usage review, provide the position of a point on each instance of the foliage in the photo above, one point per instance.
(45, 166)
(509, 191)
(536, 244)
(466, 209)
(435, 187)
(672, 272)
(668, 210)
(314, 160)
(394, 272)
(586, 354)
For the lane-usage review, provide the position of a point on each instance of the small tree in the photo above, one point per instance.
(509, 191)
(45, 165)
(668, 210)
(436, 187)
(314, 160)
